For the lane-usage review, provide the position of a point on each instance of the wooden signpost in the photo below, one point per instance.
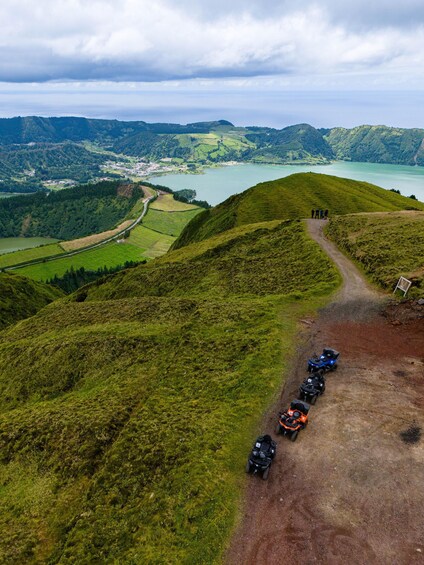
(403, 285)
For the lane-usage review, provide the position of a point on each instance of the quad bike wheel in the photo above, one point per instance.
(278, 429)
(265, 474)
(334, 367)
(313, 399)
(294, 435)
(248, 467)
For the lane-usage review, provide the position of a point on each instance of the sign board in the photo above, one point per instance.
(403, 285)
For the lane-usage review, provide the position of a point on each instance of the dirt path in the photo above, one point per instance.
(354, 285)
(350, 490)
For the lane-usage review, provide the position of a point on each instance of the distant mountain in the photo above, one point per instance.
(294, 143)
(35, 149)
(55, 130)
(378, 144)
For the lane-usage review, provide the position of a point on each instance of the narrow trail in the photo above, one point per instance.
(354, 284)
(349, 490)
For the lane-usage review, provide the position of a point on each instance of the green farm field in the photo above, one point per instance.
(109, 255)
(170, 223)
(30, 254)
(214, 145)
(151, 242)
(143, 243)
(152, 238)
(167, 203)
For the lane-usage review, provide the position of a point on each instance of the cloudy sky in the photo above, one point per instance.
(273, 62)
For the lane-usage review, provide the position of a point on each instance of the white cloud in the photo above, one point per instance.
(141, 40)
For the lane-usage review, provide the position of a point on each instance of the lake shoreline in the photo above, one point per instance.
(217, 183)
(12, 244)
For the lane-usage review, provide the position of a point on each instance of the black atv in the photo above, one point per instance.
(312, 387)
(327, 361)
(261, 456)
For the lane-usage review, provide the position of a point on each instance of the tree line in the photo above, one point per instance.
(73, 279)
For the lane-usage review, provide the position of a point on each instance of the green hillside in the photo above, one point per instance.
(293, 197)
(21, 297)
(385, 245)
(378, 144)
(127, 409)
(30, 165)
(68, 214)
(37, 152)
(294, 144)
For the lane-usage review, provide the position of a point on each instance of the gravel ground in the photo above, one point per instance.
(350, 490)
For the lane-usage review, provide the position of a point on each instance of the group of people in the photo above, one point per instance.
(319, 214)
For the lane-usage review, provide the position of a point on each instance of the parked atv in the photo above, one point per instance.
(293, 420)
(327, 361)
(261, 456)
(312, 387)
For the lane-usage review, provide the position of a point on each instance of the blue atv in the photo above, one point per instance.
(325, 362)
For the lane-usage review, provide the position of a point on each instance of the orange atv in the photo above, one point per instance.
(293, 420)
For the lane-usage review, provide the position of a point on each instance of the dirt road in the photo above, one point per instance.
(350, 490)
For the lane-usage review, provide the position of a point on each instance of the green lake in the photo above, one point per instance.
(218, 183)
(9, 244)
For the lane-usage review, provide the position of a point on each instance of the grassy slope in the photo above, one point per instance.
(226, 265)
(142, 401)
(21, 297)
(214, 145)
(386, 245)
(293, 197)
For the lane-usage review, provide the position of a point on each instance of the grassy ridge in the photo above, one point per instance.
(386, 245)
(293, 197)
(21, 297)
(141, 401)
(231, 264)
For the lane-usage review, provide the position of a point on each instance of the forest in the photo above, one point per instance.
(68, 214)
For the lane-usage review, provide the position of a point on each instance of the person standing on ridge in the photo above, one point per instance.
(317, 214)
(313, 214)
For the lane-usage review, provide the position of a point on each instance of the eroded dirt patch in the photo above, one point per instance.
(350, 490)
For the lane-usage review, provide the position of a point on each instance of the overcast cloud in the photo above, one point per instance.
(141, 40)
